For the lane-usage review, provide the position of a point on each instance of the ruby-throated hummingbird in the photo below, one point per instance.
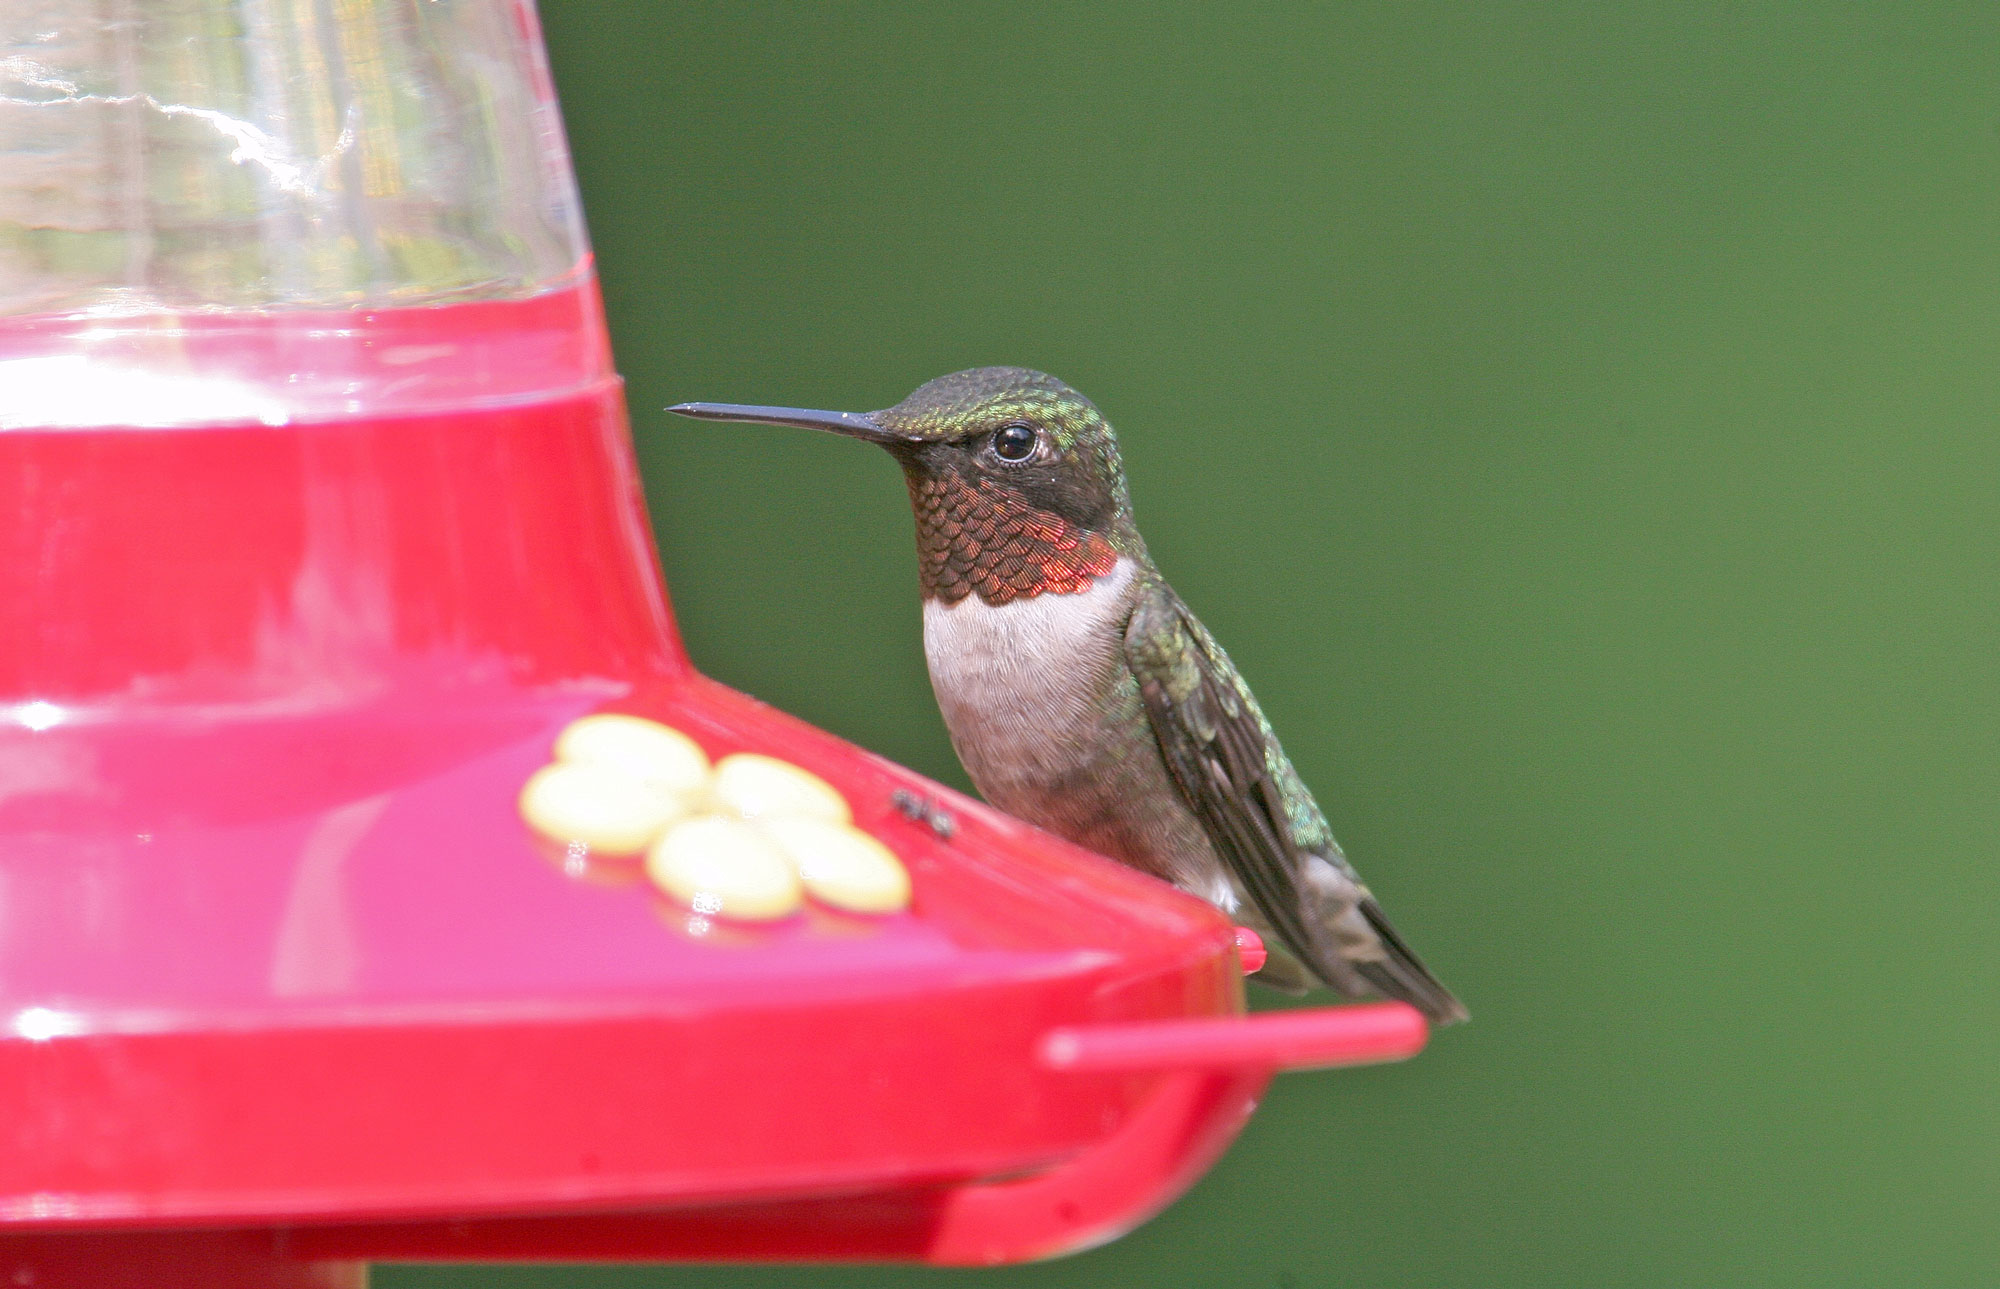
(1084, 697)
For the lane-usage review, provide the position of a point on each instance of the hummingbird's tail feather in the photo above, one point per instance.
(1400, 974)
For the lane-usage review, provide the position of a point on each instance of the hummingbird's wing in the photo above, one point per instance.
(1230, 770)
(1214, 749)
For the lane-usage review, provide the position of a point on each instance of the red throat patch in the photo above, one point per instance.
(979, 538)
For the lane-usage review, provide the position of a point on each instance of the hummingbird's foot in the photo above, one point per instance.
(919, 809)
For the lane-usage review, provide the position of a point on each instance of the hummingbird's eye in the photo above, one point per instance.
(1014, 442)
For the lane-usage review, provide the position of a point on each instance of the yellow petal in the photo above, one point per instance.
(600, 808)
(725, 868)
(763, 787)
(843, 866)
(640, 748)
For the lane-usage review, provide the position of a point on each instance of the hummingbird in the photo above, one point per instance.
(1084, 697)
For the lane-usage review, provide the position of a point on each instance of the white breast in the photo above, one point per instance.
(1022, 685)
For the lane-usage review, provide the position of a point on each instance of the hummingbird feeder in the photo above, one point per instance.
(378, 880)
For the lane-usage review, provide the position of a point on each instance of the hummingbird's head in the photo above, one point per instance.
(1014, 476)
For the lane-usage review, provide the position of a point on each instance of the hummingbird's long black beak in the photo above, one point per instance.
(855, 425)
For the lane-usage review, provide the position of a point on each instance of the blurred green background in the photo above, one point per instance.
(1579, 421)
